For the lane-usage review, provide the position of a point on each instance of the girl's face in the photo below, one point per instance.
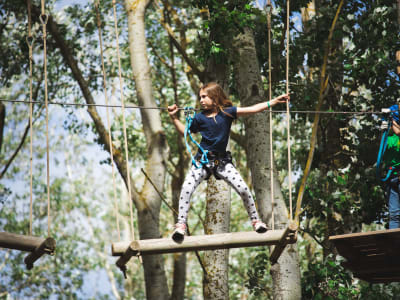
(206, 102)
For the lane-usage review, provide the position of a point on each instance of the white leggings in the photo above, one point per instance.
(230, 175)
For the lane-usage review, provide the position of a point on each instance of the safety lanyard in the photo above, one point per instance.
(382, 149)
(189, 111)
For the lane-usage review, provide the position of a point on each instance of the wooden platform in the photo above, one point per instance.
(372, 256)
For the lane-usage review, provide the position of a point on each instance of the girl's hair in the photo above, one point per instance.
(216, 93)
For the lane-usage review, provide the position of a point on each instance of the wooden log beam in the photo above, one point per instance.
(20, 242)
(194, 243)
(202, 242)
(47, 247)
(289, 237)
(36, 245)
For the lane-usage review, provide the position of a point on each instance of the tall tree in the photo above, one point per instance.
(285, 273)
(148, 205)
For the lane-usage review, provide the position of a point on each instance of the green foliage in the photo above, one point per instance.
(259, 280)
(342, 192)
(327, 279)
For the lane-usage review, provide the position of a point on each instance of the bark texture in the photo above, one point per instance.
(286, 273)
(217, 221)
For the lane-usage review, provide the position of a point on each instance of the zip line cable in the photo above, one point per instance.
(165, 108)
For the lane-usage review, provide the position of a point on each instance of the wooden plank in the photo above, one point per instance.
(288, 237)
(371, 256)
(20, 242)
(198, 243)
(368, 235)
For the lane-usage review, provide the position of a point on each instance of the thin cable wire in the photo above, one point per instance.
(271, 155)
(123, 119)
(108, 118)
(29, 41)
(288, 108)
(165, 108)
(43, 20)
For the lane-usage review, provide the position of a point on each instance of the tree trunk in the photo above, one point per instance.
(149, 205)
(285, 273)
(215, 283)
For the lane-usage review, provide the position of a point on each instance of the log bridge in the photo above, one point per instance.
(38, 246)
(280, 238)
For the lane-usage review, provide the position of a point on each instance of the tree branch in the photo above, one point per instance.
(239, 139)
(323, 84)
(177, 45)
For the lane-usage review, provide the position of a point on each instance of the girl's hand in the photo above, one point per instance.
(172, 110)
(280, 99)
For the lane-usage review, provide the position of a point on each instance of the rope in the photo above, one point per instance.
(29, 41)
(288, 109)
(43, 20)
(189, 120)
(108, 118)
(123, 119)
(176, 214)
(271, 155)
(313, 139)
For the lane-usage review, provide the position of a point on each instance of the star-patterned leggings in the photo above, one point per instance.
(230, 175)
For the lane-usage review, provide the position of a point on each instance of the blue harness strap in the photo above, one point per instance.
(382, 149)
(189, 119)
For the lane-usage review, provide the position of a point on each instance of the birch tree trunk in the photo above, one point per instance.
(285, 273)
(148, 206)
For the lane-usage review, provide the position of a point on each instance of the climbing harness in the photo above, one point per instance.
(189, 113)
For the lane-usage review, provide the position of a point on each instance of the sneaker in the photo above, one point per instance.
(259, 226)
(179, 233)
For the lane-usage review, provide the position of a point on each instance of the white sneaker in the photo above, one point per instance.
(179, 233)
(259, 226)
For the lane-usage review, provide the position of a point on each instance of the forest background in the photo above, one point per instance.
(167, 49)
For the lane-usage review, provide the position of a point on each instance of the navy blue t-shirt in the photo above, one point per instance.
(214, 131)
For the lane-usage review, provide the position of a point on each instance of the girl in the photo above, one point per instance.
(214, 124)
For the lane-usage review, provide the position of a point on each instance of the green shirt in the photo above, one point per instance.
(392, 154)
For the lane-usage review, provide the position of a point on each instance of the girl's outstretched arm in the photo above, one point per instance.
(172, 110)
(250, 110)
